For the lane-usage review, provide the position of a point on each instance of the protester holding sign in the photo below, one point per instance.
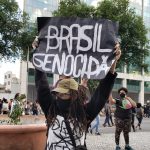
(68, 117)
(78, 47)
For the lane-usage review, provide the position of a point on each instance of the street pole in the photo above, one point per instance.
(143, 21)
(142, 9)
(27, 73)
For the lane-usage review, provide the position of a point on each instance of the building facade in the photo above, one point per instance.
(40, 8)
(11, 82)
(11, 86)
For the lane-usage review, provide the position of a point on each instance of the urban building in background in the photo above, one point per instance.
(11, 86)
(137, 84)
(38, 8)
(35, 8)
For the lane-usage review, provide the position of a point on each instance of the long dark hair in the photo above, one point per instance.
(76, 115)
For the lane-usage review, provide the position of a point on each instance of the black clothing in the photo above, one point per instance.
(58, 130)
(122, 125)
(121, 112)
(97, 101)
(123, 118)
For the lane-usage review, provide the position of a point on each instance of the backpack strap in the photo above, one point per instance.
(70, 132)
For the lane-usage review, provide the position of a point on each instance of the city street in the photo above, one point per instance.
(139, 140)
(145, 126)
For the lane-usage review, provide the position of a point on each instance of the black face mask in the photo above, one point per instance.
(122, 95)
(63, 105)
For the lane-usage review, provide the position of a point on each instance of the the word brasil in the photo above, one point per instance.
(63, 61)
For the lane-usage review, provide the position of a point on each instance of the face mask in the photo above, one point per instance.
(122, 95)
(63, 105)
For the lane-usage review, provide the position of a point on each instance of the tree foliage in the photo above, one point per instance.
(132, 31)
(17, 110)
(15, 33)
(74, 8)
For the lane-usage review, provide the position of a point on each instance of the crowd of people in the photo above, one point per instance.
(28, 107)
(108, 112)
(70, 110)
(124, 110)
(70, 105)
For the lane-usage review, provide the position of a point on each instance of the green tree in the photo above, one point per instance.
(132, 31)
(74, 8)
(26, 39)
(134, 43)
(15, 33)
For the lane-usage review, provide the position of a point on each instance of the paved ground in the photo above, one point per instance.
(138, 140)
(145, 126)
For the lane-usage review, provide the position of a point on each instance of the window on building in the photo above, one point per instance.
(8, 75)
(31, 72)
(133, 85)
(8, 82)
(49, 75)
(5, 77)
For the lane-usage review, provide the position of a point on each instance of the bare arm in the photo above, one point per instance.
(133, 103)
(111, 100)
(118, 54)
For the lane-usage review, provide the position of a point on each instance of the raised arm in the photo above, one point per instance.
(111, 99)
(102, 92)
(43, 91)
(133, 103)
(101, 95)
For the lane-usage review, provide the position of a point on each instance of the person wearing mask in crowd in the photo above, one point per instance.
(67, 116)
(123, 116)
(139, 115)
